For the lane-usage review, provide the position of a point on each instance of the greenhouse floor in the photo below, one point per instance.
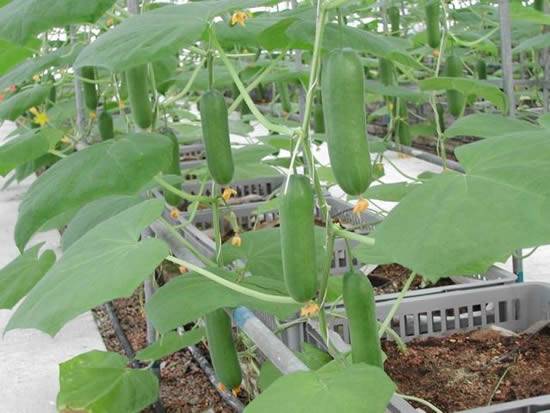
(29, 359)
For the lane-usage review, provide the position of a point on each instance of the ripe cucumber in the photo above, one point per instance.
(222, 349)
(455, 99)
(387, 71)
(90, 89)
(343, 89)
(138, 93)
(215, 133)
(105, 125)
(395, 20)
(403, 128)
(175, 167)
(282, 88)
(165, 71)
(432, 23)
(361, 312)
(481, 69)
(298, 239)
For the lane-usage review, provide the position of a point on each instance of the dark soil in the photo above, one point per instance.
(470, 370)
(390, 278)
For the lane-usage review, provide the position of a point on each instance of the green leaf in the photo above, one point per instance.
(468, 87)
(527, 14)
(544, 120)
(94, 213)
(21, 20)
(106, 263)
(534, 43)
(393, 192)
(20, 276)
(156, 34)
(461, 224)
(487, 125)
(187, 298)
(19, 103)
(170, 343)
(353, 389)
(12, 54)
(116, 167)
(100, 381)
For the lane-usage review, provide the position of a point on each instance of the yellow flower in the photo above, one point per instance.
(121, 104)
(66, 140)
(221, 387)
(109, 22)
(435, 53)
(361, 206)
(239, 17)
(36, 78)
(310, 309)
(236, 241)
(228, 193)
(183, 269)
(175, 213)
(40, 118)
(379, 168)
(93, 115)
(236, 391)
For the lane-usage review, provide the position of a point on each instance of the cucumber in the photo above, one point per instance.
(175, 167)
(403, 128)
(386, 71)
(343, 91)
(282, 88)
(539, 5)
(455, 99)
(52, 98)
(138, 93)
(222, 349)
(215, 133)
(90, 89)
(481, 69)
(395, 19)
(441, 116)
(318, 118)
(165, 71)
(105, 125)
(361, 312)
(433, 9)
(298, 239)
(123, 88)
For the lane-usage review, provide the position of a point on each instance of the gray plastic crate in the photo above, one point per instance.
(514, 307)
(192, 156)
(258, 186)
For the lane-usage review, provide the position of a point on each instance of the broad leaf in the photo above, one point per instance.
(170, 343)
(187, 298)
(21, 20)
(27, 147)
(527, 14)
(19, 103)
(468, 87)
(358, 388)
(12, 54)
(100, 381)
(107, 263)
(538, 42)
(120, 166)
(20, 276)
(94, 213)
(487, 125)
(393, 192)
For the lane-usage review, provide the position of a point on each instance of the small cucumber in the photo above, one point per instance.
(318, 118)
(175, 167)
(298, 239)
(539, 5)
(90, 89)
(387, 71)
(215, 133)
(282, 88)
(105, 125)
(455, 99)
(433, 10)
(361, 312)
(394, 17)
(138, 93)
(481, 69)
(403, 128)
(222, 349)
(441, 116)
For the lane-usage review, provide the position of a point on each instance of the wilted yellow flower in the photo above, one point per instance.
(175, 213)
(239, 17)
(40, 118)
(236, 241)
(93, 115)
(236, 391)
(361, 206)
(228, 193)
(121, 104)
(183, 269)
(66, 140)
(36, 78)
(310, 309)
(435, 53)
(109, 22)
(221, 387)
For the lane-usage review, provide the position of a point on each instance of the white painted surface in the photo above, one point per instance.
(28, 358)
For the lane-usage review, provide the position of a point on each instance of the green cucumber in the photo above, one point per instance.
(222, 349)
(539, 5)
(138, 93)
(165, 71)
(455, 99)
(441, 116)
(386, 71)
(282, 88)
(298, 239)
(318, 118)
(89, 87)
(481, 69)
(123, 88)
(215, 133)
(433, 10)
(175, 167)
(105, 125)
(403, 128)
(361, 312)
(343, 89)
(395, 19)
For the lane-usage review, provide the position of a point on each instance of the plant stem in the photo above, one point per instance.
(187, 87)
(188, 245)
(187, 196)
(363, 239)
(396, 304)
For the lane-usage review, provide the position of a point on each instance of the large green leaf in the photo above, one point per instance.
(527, 14)
(468, 87)
(100, 382)
(94, 213)
(21, 20)
(12, 54)
(538, 42)
(19, 276)
(461, 224)
(186, 298)
(18, 104)
(487, 125)
(393, 192)
(357, 388)
(156, 34)
(170, 343)
(120, 166)
(106, 263)
(27, 147)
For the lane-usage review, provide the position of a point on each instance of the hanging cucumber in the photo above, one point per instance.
(387, 71)
(165, 71)
(138, 93)
(361, 312)
(455, 99)
(539, 5)
(175, 167)
(318, 118)
(298, 239)
(432, 23)
(395, 19)
(343, 88)
(222, 349)
(282, 88)
(123, 88)
(89, 87)
(53, 93)
(105, 125)
(403, 128)
(441, 116)
(481, 69)
(215, 132)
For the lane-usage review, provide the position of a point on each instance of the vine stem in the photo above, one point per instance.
(205, 260)
(187, 196)
(187, 87)
(363, 239)
(396, 305)
(279, 299)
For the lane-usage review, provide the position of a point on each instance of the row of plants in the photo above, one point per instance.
(111, 94)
